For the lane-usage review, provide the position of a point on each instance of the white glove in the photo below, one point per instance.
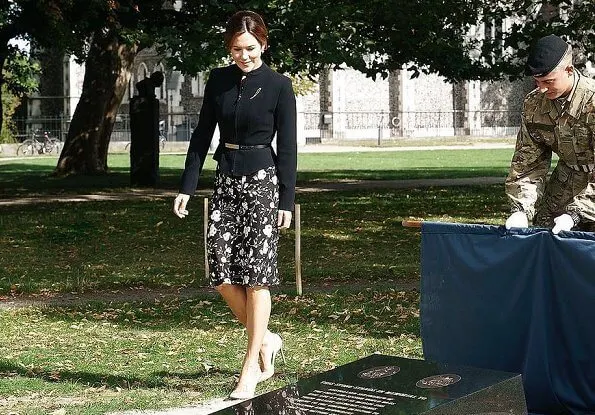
(284, 219)
(564, 222)
(180, 205)
(517, 220)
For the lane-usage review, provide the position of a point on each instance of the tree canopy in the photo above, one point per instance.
(446, 36)
(530, 20)
(458, 39)
(25, 20)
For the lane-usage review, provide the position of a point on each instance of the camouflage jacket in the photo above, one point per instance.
(546, 127)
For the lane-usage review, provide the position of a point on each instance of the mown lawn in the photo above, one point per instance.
(346, 236)
(97, 356)
(32, 176)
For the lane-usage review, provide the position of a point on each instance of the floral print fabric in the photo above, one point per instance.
(242, 233)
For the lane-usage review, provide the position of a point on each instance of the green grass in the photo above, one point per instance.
(404, 165)
(104, 357)
(32, 176)
(138, 352)
(345, 236)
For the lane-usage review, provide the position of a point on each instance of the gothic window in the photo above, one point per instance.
(142, 72)
(197, 85)
(160, 92)
(131, 86)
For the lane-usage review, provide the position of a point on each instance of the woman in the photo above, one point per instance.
(254, 186)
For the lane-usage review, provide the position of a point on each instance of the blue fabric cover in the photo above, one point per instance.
(520, 300)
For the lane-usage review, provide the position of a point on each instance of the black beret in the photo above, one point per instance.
(545, 55)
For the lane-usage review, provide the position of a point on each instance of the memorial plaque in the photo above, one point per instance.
(389, 385)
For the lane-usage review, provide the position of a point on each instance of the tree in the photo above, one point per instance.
(9, 104)
(457, 39)
(36, 21)
(129, 27)
(20, 77)
(111, 36)
(531, 19)
(309, 36)
(106, 79)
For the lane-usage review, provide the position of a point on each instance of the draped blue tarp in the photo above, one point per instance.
(519, 301)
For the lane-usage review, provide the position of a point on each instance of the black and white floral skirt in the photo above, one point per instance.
(242, 235)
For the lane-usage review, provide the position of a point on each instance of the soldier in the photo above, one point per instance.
(558, 116)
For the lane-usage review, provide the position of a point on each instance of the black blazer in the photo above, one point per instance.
(250, 110)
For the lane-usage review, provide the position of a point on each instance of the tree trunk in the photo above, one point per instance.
(107, 73)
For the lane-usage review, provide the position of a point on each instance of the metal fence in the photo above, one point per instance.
(26, 127)
(319, 126)
(376, 125)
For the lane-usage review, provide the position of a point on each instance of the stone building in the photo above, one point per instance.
(343, 105)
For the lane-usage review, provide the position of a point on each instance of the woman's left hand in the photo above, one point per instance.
(284, 219)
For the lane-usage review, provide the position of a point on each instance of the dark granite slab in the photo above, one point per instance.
(389, 385)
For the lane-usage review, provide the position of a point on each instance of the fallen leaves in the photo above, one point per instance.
(175, 345)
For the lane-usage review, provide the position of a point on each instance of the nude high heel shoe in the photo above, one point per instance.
(247, 389)
(274, 346)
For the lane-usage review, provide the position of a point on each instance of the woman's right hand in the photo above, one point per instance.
(180, 203)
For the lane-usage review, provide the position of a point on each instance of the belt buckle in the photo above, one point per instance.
(232, 146)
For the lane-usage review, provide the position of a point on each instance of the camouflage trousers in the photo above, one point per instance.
(563, 185)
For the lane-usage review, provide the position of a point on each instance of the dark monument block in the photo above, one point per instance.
(144, 132)
(389, 385)
(144, 141)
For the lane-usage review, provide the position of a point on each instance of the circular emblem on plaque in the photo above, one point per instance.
(379, 372)
(438, 381)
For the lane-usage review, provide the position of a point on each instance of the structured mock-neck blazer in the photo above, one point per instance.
(250, 109)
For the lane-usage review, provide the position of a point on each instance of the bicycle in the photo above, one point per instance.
(40, 143)
(162, 141)
(162, 138)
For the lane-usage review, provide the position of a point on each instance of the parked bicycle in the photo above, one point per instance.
(41, 142)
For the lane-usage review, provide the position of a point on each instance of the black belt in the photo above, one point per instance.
(232, 146)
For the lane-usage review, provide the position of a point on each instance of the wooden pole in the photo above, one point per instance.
(298, 250)
(205, 226)
(412, 223)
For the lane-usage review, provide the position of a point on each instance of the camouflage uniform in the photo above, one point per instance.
(567, 129)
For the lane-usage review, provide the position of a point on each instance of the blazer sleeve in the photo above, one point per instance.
(200, 140)
(285, 123)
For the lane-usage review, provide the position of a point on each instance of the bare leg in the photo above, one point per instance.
(258, 311)
(235, 297)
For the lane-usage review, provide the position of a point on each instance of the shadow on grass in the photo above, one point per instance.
(24, 179)
(346, 236)
(379, 314)
(19, 178)
(154, 380)
(404, 173)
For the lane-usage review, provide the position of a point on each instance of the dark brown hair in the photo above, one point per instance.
(245, 21)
